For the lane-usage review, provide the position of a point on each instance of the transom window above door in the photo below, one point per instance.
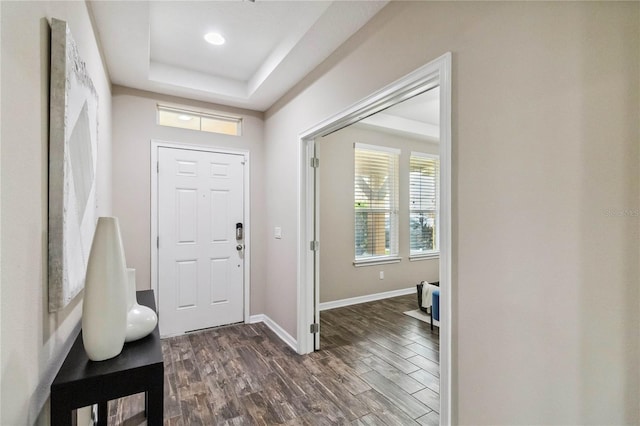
(199, 120)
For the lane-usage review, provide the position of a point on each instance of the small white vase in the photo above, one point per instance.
(141, 320)
(104, 310)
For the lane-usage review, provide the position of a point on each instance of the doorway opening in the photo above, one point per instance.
(436, 74)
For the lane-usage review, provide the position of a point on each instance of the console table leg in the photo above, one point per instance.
(61, 414)
(154, 401)
(103, 413)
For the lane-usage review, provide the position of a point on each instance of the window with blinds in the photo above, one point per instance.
(376, 201)
(424, 203)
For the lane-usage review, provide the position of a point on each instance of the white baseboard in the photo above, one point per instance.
(253, 319)
(368, 298)
(275, 327)
(293, 343)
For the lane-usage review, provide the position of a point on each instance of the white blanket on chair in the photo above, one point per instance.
(427, 294)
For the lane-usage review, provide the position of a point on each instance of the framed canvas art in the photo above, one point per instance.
(73, 143)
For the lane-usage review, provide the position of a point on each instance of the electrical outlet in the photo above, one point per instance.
(382, 275)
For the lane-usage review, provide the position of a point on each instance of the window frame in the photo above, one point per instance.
(199, 116)
(428, 254)
(393, 210)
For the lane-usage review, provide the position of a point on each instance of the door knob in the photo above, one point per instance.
(239, 247)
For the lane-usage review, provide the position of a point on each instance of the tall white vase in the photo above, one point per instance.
(141, 320)
(131, 288)
(104, 310)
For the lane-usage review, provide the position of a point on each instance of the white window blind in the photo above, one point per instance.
(424, 203)
(376, 201)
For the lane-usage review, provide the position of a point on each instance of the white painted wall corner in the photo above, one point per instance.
(276, 328)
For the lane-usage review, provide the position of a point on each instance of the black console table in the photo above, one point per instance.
(138, 368)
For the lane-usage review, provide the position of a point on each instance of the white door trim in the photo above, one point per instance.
(155, 145)
(435, 73)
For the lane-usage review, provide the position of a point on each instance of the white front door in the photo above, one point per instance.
(200, 253)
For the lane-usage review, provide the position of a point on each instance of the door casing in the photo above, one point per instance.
(155, 145)
(434, 73)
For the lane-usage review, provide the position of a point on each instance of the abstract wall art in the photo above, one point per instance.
(73, 143)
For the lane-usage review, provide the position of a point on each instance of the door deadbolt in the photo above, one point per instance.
(239, 247)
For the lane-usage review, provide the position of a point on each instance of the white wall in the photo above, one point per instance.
(1, 364)
(339, 278)
(35, 342)
(134, 126)
(545, 139)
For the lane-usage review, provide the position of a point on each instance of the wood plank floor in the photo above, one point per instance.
(376, 366)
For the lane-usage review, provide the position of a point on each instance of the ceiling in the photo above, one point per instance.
(270, 45)
(417, 117)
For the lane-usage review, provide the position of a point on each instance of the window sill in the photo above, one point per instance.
(376, 261)
(426, 256)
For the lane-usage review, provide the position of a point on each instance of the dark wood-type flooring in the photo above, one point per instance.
(376, 366)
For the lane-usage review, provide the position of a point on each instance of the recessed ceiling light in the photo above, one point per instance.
(214, 38)
(184, 117)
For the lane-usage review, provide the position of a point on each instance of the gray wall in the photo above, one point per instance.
(134, 126)
(34, 342)
(339, 278)
(545, 139)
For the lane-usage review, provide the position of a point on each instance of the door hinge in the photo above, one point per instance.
(314, 328)
(158, 167)
(314, 245)
(315, 162)
(157, 242)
